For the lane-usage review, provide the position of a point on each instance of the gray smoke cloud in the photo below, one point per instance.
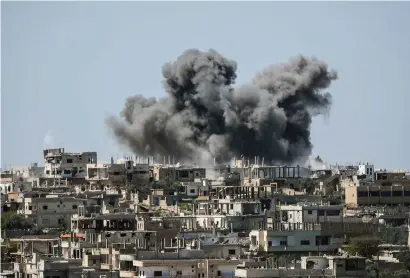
(204, 117)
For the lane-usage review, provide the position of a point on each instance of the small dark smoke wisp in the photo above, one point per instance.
(204, 117)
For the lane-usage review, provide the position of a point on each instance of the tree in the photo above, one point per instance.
(366, 246)
(13, 221)
(404, 257)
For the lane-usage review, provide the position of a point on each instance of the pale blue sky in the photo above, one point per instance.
(66, 66)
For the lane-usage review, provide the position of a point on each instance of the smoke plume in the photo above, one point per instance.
(204, 117)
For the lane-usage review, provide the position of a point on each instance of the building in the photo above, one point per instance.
(313, 267)
(60, 164)
(372, 195)
(311, 212)
(296, 237)
(50, 211)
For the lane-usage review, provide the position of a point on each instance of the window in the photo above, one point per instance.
(192, 191)
(231, 206)
(47, 172)
(67, 172)
(179, 272)
(309, 212)
(157, 273)
(45, 207)
(385, 193)
(321, 212)
(283, 243)
(75, 207)
(304, 242)
(269, 243)
(362, 194)
(219, 273)
(69, 160)
(231, 251)
(333, 213)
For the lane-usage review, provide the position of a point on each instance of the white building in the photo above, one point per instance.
(313, 267)
(310, 212)
(298, 237)
(366, 170)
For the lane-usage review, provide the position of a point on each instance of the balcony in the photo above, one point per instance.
(128, 273)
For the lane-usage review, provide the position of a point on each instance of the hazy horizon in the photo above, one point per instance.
(66, 66)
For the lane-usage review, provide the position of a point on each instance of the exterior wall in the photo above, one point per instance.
(186, 268)
(58, 164)
(115, 173)
(311, 214)
(51, 212)
(378, 195)
(194, 189)
(293, 241)
(190, 174)
(229, 207)
(141, 173)
(164, 173)
(366, 170)
(349, 181)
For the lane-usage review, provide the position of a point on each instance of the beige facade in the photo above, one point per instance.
(372, 195)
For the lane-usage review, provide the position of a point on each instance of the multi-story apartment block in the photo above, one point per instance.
(372, 195)
(295, 237)
(60, 164)
(50, 211)
(310, 212)
(171, 173)
(313, 267)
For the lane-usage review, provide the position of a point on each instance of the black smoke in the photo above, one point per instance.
(204, 117)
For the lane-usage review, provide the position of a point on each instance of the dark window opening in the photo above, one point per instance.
(304, 242)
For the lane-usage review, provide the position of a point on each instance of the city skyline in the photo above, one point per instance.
(67, 66)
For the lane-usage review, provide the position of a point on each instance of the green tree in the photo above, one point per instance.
(404, 257)
(13, 221)
(366, 246)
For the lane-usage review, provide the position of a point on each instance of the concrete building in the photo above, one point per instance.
(372, 195)
(60, 164)
(313, 267)
(51, 211)
(366, 171)
(296, 237)
(310, 212)
(107, 174)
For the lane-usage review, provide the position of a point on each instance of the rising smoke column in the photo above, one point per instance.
(204, 116)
